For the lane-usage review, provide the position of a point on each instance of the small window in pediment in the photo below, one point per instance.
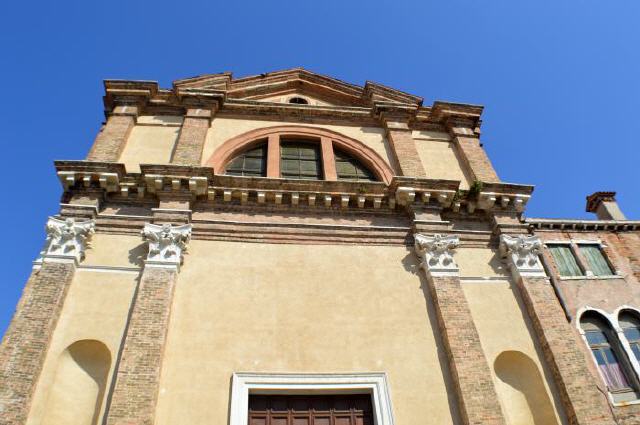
(299, 100)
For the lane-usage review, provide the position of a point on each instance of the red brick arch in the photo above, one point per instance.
(328, 139)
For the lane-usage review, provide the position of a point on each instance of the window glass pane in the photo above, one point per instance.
(249, 163)
(636, 350)
(349, 168)
(596, 261)
(596, 337)
(632, 334)
(599, 357)
(300, 160)
(565, 261)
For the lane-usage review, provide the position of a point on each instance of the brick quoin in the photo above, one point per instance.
(190, 143)
(137, 382)
(477, 395)
(27, 340)
(584, 404)
(112, 138)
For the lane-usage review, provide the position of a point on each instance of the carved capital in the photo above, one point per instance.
(436, 253)
(66, 239)
(167, 243)
(522, 254)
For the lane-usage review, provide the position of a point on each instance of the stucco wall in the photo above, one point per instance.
(96, 308)
(500, 320)
(151, 143)
(290, 308)
(440, 157)
(223, 129)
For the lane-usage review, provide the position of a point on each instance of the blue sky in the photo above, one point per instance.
(559, 81)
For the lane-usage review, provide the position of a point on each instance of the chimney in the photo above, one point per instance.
(605, 206)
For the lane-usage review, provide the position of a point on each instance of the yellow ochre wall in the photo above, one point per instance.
(242, 307)
(500, 319)
(96, 308)
(153, 139)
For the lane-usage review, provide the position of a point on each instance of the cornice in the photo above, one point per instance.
(223, 93)
(541, 224)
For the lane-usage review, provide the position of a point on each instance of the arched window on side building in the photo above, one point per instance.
(609, 356)
(630, 324)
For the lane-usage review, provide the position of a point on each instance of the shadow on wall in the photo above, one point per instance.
(75, 398)
(521, 390)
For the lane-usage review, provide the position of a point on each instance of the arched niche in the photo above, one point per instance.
(75, 397)
(521, 390)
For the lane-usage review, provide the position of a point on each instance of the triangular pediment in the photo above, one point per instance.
(281, 86)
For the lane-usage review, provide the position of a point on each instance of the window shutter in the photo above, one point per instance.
(597, 263)
(565, 261)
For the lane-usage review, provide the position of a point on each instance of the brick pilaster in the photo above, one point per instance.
(27, 339)
(584, 404)
(404, 148)
(25, 344)
(134, 396)
(476, 393)
(190, 143)
(113, 136)
(472, 153)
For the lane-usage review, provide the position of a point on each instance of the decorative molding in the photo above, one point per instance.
(436, 253)
(166, 244)
(66, 240)
(522, 253)
(375, 384)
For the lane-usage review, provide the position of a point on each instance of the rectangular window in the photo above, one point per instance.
(595, 260)
(565, 260)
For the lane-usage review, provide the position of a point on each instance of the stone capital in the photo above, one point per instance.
(522, 254)
(436, 254)
(66, 239)
(167, 244)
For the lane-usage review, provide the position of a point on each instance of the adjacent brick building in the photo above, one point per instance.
(292, 249)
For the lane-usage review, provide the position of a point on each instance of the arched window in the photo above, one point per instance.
(297, 152)
(300, 159)
(607, 352)
(299, 100)
(349, 168)
(630, 324)
(252, 162)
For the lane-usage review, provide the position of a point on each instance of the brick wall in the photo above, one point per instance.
(26, 342)
(476, 159)
(188, 149)
(583, 402)
(112, 138)
(135, 393)
(477, 396)
(406, 153)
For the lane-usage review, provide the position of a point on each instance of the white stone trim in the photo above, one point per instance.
(166, 244)
(245, 383)
(436, 254)
(522, 255)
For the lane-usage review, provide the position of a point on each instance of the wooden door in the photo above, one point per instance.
(348, 409)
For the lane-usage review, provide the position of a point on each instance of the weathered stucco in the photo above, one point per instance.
(96, 308)
(223, 129)
(149, 144)
(292, 308)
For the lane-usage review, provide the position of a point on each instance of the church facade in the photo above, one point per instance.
(291, 249)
